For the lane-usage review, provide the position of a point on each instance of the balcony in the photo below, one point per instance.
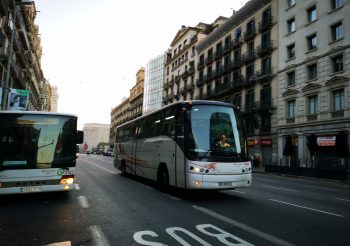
(227, 67)
(249, 56)
(209, 77)
(190, 87)
(264, 75)
(190, 71)
(209, 60)
(200, 82)
(291, 120)
(265, 24)
(250, 81)
(249, 34)
(338, 114)
(183, 90)
(236, 42)
(184, 75)
(265, 48)
(218, 54)
(218, 72)
(228, 47)
(265, 103)
(171, 83)
(177, 79)
(165, 86)
(200, 65)
(312, 117)
(177, 95)
(236, 62)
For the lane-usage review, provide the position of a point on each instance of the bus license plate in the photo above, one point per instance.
(31, 189)
(225, 183)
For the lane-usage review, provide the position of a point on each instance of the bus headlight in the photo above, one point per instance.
(67, 180)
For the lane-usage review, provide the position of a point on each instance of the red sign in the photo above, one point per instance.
(266, 141)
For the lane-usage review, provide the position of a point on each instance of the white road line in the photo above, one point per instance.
(100, 167)
(83, 201)
(319, 188)
(172, 197)
(244, 227)
(312, 209)
(278, 188)
(240, 192)
(98, 237)
(143, 185)
(341, 199)
(77, 186)
(67, 243)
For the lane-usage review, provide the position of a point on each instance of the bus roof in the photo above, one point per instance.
(37, 113)
(192, 102)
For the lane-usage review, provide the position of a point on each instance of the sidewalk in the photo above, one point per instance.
(262, 170)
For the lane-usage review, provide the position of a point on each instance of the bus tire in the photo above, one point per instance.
(123, 168)
(163, 178)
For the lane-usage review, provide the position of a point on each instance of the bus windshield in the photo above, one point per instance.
(216, 131)
(37, 141)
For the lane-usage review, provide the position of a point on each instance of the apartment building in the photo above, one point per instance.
(153, 87)
(25, 61)
(54, 98)
(136, 95)
(179, 81)
(313, 81)
(119, 115)
(238, 63)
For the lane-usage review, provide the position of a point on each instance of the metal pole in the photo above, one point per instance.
(5, 85)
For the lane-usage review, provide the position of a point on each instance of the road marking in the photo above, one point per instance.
(341, 199)
(319, 188)
(76, 186)
(278, 188)
(98, 237)
(112, 172)
(312, 209)
(143, 185)
(172, 197)
(67, 243)
(240, 192)
(244, 227)
(83, 201)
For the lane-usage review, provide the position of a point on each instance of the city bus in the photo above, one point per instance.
(37, 151)
(179, 145)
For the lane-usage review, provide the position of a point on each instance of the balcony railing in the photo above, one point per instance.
(264, 75)
(182, 90)
(200, 81)
(312, 117)
(250, 81)
(338, 114)
(228, 47)
(177, 79)
(236, 42)
(249, 56)
(218, 54)
(200, 65)
(265, 24)
(171, 83)
(209, 77)
(184, 75)
(265, 48)
(209, 60)
(189, 87)
(250, 33)
(266, 103)
(236, 62)
(290, 120)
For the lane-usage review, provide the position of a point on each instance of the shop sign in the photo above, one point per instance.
(266, 141)
(326, 141)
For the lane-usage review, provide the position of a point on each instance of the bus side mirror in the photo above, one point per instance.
(80, 137)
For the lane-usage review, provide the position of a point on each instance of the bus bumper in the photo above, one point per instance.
(218, 182)
(36, 189)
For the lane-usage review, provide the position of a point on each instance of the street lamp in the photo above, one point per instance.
(5, 84)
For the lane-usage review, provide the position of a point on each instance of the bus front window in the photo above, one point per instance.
(215, 131)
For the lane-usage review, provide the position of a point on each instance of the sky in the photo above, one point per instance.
(92, 49)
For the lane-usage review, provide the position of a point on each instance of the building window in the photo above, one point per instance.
(237, 100)
(337, 31)
(336, 4)
(337, 62)
(251, 27)
(291, 25)
(291, 109)
(312, 71)
(312, 14)
(266, 66)
(250, 71)
(291, 3)
(291, 78)
(338, 100)
(291, 51)
(312, 42)
(312, 105)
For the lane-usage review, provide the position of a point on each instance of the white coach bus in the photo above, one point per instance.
(188, 144)
(37, 151)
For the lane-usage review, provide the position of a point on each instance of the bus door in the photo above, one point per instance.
(180, 160)
(133, 157)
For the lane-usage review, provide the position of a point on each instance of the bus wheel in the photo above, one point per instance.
(163, 178)
(124, 174)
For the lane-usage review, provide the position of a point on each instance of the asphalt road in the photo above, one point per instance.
(108, 209)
